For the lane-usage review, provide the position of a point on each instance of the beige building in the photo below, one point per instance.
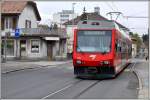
(134, 48)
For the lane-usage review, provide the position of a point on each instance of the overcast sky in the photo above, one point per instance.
(130, 8)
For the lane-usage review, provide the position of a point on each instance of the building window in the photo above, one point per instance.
(27, 24)
(9, 48)
(8, 23)
(35, 46)
(64, 15)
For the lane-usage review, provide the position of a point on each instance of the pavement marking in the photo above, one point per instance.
(57, 91)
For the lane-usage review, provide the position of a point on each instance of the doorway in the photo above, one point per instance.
(49, 50)
(22, 48)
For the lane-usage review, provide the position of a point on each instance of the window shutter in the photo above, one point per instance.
(14, 23)
(2, 24)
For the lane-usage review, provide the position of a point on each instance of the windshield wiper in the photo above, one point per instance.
(104, 52)
(79, 48)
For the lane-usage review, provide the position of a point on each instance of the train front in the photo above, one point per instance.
(92, 50)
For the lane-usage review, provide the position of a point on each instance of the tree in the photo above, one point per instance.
(55, 26)
(138, 41)
(131, 33)
(145, 38)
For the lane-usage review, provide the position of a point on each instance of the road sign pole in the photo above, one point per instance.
(16, 47)
(5, 48)
(17, 35)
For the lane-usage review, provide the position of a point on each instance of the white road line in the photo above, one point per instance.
(57, 91)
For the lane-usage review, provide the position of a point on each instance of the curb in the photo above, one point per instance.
(15, 70)
(141, 94)
(39, 66)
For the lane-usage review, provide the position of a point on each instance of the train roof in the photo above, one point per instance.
(102, 24)
(97, 24)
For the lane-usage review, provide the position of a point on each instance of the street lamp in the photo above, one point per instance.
(70, 37)
(73, 4)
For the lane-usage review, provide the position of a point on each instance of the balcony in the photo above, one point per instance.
(38, 32)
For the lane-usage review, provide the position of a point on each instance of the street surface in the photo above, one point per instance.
(58, 82)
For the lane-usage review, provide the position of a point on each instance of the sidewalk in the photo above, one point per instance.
(142, 70)
(11, 66)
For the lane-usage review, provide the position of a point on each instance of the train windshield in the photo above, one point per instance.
(94, 41)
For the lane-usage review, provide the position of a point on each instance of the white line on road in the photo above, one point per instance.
(57, 91)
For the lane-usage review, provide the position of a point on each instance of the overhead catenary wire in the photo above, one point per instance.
(115, 6)
(110, 6)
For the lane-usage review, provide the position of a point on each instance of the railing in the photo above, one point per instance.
(42, 31)
(39, 31)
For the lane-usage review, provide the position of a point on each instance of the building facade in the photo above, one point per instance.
(33, 42)
(63, 16)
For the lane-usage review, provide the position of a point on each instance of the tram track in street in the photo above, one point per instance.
(72, 85)
(90, 85)
(85, 90)
(76, 88)
(62, 89)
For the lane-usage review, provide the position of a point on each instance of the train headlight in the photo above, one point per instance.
(106, 62)
(78, 62)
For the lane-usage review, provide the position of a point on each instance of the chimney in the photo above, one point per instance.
(97, 10)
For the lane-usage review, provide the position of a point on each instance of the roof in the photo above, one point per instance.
(96, 24)
(16, 7)
(122, 26)
(90, 16)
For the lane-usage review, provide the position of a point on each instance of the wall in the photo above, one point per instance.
(55, 49)
(42, 49)
(70, 34)
(134, 50)
(27, 14)
(57, 17)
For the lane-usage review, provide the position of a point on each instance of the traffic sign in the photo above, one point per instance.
(17, 32)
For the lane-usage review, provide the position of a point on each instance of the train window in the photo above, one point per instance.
(98, 41)
(84, 22)
(118, 46)
(95, 23)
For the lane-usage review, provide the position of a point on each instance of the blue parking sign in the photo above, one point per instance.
(17, 32)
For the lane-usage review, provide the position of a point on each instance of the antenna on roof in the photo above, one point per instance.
(84, 9)
(84, 15)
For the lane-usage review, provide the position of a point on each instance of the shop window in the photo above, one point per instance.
(9, 48)
(35, 46)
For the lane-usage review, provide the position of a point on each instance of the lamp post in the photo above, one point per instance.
(70, 38)
(73, 4)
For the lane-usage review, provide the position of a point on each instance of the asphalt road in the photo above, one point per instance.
(58, 82)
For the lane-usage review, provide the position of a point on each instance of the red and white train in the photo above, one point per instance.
(100, 49)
